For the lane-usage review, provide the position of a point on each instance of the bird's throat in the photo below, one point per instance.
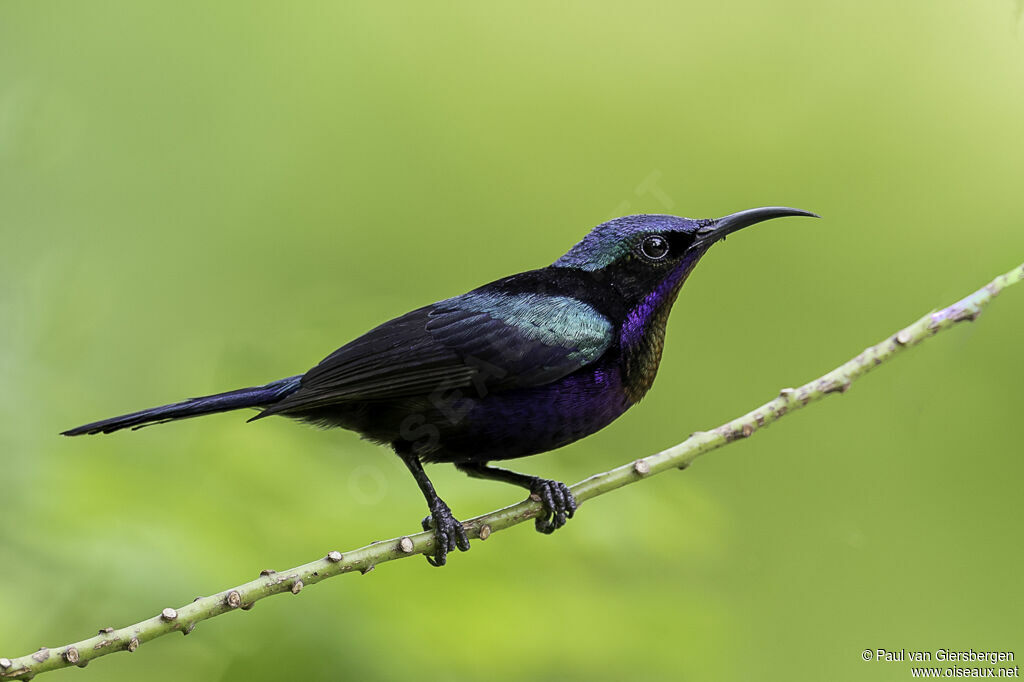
(642, 336)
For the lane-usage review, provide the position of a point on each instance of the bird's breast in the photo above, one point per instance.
(640, 365)
(527, 421)
(642, 340)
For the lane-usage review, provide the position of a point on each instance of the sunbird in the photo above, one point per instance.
(520, 366)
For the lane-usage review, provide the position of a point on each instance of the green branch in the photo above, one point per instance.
(293, 580)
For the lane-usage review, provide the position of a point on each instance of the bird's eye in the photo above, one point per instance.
(654, 247)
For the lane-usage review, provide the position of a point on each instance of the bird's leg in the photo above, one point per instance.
(559, 503)
(448, 532)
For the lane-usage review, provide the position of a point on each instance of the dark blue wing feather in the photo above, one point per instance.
(509, 340)
(534, 338)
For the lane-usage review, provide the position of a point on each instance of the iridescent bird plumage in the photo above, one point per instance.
(523, 365)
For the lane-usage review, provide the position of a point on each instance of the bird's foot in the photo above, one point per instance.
(559, 504)
(449, 534)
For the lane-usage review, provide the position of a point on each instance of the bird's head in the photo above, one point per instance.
(645, 255)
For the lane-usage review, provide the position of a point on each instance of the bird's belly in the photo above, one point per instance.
(527, 421)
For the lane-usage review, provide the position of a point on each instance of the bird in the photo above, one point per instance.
(523, 365)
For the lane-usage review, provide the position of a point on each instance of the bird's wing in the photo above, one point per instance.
(488, 339)
(534, 338)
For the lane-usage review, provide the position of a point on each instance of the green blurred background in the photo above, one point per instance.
(200, 196)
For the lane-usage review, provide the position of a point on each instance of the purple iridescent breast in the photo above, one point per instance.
(528, 421)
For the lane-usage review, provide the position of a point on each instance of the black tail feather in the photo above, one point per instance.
(256, 396)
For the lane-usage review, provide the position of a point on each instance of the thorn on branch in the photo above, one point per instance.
(233, 599)
(641, 467)
(71, 655)
(484, 532)
(133, 644)
(41, 655)
(405, 545)
(729, 433)
(168, 614)
(837, 386)
(297, 587)
(334, 556)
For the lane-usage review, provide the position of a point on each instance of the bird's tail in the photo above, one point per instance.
(256, 396)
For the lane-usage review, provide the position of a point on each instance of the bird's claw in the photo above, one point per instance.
(559, 504)
(449, 534)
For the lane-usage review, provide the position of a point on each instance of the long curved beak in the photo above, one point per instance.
(718, 229)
